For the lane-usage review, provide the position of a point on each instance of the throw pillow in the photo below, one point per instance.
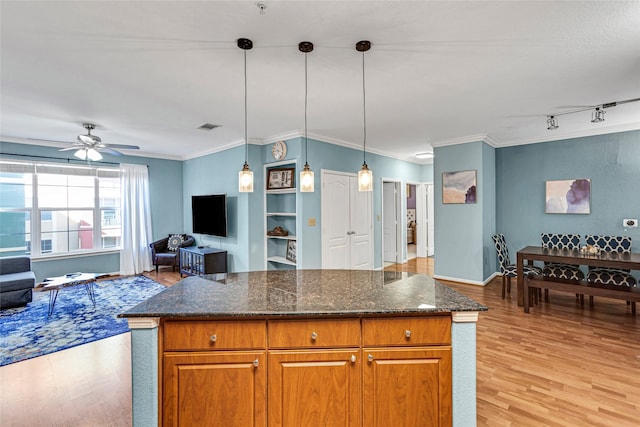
(175, 241)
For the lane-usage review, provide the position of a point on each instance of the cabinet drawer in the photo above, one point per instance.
(314, 333)
(406, 331)
(214, 335)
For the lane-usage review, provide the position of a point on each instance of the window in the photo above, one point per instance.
(58, 209)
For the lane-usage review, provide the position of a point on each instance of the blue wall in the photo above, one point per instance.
(511, 187)
(165, 186)
(612, 162)
(490, 264)
(218, 173)
(460, 245)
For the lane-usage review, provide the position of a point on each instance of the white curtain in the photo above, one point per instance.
(135, 256)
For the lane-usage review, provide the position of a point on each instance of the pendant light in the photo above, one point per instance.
(306, 176)
(245, 177)
(365, 176)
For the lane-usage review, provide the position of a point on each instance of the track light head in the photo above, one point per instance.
(597, 116)
(552, 123)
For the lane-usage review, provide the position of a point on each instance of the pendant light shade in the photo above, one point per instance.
(245, 177)
(365, 176)
(306, 176)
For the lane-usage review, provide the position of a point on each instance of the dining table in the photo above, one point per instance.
(618, 260)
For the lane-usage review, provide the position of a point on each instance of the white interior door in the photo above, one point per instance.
(389, 222)
(431, 224)
(426, 223)
(335, 224)
(361, 212)
(421, 220)
(347, 224)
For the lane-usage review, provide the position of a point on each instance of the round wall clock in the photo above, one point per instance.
(279, 150)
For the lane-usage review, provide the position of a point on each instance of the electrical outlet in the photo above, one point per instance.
(630, 223)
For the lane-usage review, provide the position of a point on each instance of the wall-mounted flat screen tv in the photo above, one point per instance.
(209, 214)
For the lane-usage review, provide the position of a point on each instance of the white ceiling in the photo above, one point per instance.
(149, 73)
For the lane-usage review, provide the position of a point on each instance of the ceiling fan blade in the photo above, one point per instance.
(109, 151)
(124, 146)
(73, 147)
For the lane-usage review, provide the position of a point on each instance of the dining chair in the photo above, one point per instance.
(507, 269)
(558, 270)
(611, 276)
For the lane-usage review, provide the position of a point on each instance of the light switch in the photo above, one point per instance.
(311, 222)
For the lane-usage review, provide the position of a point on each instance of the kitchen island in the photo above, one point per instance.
(305, 347)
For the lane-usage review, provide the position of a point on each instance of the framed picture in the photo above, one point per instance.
(281, 178)
(459, 187)
(569, 196)
(291, 250)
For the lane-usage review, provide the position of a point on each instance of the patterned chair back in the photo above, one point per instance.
(503, 251)
(610, 243)
(609, 276)
(560, 241)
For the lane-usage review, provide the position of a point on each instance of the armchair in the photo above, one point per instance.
(16, 281)
(166, 252)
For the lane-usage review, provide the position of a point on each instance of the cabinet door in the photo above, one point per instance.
(314, 388)
(407, 387)
(214, 389)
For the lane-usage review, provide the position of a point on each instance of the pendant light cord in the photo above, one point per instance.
(306, 148)
(246, 141)
(364, 115)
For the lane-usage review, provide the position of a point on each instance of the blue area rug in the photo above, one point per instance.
(27, 332)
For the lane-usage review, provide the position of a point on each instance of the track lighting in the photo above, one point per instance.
(597, 116)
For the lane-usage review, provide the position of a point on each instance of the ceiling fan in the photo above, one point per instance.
(89, 146)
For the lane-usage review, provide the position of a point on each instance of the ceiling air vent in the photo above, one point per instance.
(208, 126)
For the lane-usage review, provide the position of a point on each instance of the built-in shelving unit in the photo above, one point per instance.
(280, 210)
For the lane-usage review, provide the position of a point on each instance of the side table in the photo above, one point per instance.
(200, 260)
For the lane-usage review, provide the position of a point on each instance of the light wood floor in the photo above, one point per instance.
(560, 365)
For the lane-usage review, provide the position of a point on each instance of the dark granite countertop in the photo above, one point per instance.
(305, 293)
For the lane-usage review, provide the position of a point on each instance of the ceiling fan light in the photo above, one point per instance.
(81, 154)
(93, 155)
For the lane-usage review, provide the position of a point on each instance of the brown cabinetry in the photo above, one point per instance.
(214, 374)
(347, 372)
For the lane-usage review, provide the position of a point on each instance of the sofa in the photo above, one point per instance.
(166, 251)
(16, 281)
